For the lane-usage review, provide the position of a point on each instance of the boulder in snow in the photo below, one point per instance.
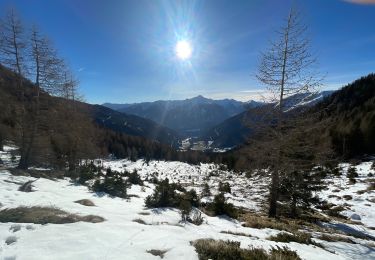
(355, 217)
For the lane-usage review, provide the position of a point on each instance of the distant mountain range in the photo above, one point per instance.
(189, 117)
(235, 131)
(221, 123)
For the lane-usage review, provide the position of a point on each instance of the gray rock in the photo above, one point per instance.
(355, 217)
(10, 257)
(30, 227)
(15, 227)
(11, 240)
(26, 187)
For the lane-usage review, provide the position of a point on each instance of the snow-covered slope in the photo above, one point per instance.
(119, 237)
(357, 199)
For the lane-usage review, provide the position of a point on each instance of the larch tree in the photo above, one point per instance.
(76, 142)
(45, 67)
(13, 54)
(287, 68)
(47, 129)
(13, 45)
(46, 64)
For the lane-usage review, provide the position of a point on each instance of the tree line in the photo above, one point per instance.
(38, 70)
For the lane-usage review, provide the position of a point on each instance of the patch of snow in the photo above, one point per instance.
(119, 237)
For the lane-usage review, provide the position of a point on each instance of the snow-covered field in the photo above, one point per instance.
(359, 206)
(245, 192)
(358, 202)
(119, 237)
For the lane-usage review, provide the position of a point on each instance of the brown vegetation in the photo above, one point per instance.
(298, 237)
(85, 202)
(157, 252)
(230, 250)
(43, 215)
(140, 221)
(335, 238)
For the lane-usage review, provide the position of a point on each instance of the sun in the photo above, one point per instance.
(183, 50)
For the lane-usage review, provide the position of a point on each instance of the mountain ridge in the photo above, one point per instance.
(189, 117)
(133, 125)
(233, 131)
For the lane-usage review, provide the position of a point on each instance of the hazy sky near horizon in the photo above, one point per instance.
(123, 51)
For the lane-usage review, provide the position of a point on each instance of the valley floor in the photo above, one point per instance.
(130, 231)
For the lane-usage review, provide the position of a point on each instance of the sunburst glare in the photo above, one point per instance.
(183, 49)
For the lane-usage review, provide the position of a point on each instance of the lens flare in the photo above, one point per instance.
(183, 50)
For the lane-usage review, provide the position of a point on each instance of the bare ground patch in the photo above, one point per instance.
(157, 252)
(85, 202)
(231, 250)
(44, 215)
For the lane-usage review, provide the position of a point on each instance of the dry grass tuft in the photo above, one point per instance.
(144, 213)
(47, 174)
(140, 221)
(371, 186)
(335, 238)
(308, 221)
(230, 250)
(236, 233)
(260, 222)
(335, 212)
(157, 252)
(298, 237)
(85, 202)
(44, 215)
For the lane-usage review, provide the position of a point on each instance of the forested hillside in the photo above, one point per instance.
(68, 131)
(342, 123)
(351, 115)
(132, 125)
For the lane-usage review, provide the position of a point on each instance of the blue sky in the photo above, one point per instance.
(123, 51)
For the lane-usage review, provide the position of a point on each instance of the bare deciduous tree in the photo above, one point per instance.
(45, 128)
(13, 50)
(287, 69)
(13, 45)
(46, 65)
(75, 121)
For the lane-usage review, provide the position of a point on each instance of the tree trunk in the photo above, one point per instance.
(275, 180)
(24, 160)
(25, 156)
(274, 194)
